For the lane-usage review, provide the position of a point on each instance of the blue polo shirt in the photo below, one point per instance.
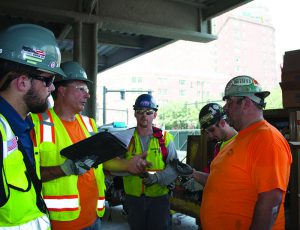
(20, 127)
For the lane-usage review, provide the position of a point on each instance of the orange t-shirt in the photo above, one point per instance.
(87, 187)
(256, 161)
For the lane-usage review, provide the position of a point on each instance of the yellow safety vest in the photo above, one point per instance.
(61, 195)
(20, 207)
(134, 185)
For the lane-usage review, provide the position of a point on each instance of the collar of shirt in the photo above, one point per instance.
(18, 125)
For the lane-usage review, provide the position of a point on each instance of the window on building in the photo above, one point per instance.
(162, 91)
(182, 82)
(182, 92)
(136, 79)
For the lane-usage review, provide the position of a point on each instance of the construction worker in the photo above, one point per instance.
(147, 198)
(213, 121)
(29, 62)
(73, 191)
(248, 179)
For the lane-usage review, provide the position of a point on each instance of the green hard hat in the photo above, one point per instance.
(73, 72)
(245, 86)
(31, 45)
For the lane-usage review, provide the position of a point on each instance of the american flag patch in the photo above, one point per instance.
(12, 144)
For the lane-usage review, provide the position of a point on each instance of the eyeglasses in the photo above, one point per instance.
(81, 88)
(47, 80)
(142, 111)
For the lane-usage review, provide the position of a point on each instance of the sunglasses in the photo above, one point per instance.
(142, 111)
(48, 81)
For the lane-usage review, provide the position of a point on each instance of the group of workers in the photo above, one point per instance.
(244, 186)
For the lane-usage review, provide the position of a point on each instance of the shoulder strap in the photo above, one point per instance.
(157, 133)
(47, 133)
(88, 123)
(34, 178)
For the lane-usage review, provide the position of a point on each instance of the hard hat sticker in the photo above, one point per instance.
(242, 81)
(32, 56)
(144, 103)
(206, 118)
(52, 64)
(39, 54)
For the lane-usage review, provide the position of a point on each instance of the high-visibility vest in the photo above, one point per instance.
(134, 185)
(61, 195)
(18, 191)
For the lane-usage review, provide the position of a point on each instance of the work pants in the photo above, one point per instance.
(148, 213)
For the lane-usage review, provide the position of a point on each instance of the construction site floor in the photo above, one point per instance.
(114, 219)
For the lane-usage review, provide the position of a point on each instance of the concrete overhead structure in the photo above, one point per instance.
(100, 34)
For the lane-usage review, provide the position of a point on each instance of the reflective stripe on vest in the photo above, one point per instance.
(100, 203)
(46, 127)
(68, 203)
(62, 203)
(87, 123)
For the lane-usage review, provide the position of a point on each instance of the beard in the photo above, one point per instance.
(34, 103)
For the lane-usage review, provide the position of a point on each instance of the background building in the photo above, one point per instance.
(192, 72)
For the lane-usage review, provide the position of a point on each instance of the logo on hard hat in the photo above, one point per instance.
(242, 81)
(144, 103)
(33, 53)
(207, 118)
(213, 109)
(52, 64)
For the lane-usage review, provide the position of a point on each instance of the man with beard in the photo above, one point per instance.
(147, 198)
(213, 121)
(29, 61)
(73, 191)
(248, 180)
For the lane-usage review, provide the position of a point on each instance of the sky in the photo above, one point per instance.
(285, 17)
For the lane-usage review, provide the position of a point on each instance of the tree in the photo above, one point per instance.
(179, 115)
(274, 101)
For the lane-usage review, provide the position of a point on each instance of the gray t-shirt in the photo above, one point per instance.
(172, 153)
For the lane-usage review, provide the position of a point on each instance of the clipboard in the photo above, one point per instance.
(103, 145)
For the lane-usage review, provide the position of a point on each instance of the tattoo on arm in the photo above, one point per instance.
(275, 211)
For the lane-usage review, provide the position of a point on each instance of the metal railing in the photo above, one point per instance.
(180, 137)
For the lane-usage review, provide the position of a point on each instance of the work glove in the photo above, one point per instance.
(163, 178)
(69, 167)
(181, 168)
(192, 185)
